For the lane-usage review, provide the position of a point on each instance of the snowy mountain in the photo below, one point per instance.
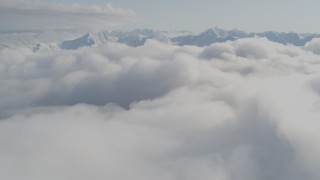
(210, 36)
(94, 39)
(50, 41)
(220, 35)
(288, 38)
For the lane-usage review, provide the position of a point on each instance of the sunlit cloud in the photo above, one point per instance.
(245, 109)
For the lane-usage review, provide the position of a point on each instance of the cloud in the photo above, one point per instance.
(313, 46)
(44, 15)
(246, 109)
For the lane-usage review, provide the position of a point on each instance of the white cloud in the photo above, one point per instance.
(226, 111)
(39, 14)
(313, 46)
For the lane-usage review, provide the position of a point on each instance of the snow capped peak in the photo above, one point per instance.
(50, 41)
(86, 40)
(210, 32)
(145, 32)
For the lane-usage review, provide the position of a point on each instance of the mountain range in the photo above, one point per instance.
(48, 41)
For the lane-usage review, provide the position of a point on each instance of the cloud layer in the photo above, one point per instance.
(39, 14)
(244, 110)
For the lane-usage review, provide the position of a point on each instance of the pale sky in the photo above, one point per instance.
(198, 15)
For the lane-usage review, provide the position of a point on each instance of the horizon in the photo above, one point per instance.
(143, 28)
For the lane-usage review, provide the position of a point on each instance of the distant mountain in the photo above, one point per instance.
(215, 35)
(288, 38)
(181, 38)
(131, 38)
(43, 42)
(209, 36)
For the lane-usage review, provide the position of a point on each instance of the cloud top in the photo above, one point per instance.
(244, 110)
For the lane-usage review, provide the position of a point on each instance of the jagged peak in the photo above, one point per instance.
(210, 31)
(137, 37)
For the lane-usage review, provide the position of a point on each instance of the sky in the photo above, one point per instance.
(250, 15)
(198, 15)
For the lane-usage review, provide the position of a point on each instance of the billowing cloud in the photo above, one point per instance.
(40, 14)
(313, 46)
(244, 110)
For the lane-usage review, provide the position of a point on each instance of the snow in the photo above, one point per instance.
(53, 40)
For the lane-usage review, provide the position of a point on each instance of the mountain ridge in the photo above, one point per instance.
(212, 35)
(138, 37)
